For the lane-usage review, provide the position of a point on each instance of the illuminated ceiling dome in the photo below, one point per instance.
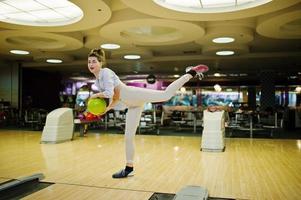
(209, 6)
(39, 12)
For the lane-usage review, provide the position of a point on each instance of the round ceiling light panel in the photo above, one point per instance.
(40, 12)
(225, 50)
(54, 15)
(228, 33)
(110, 46)
(19, 52)
(208, 10)
(209, 6)
(223, 40)
(132, 57)
(54, 61)
(225, 53)
(51, 57)
(136, 53)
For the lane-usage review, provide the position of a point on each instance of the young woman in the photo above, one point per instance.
(111, 87)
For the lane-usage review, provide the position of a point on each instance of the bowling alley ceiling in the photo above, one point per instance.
(167, 35)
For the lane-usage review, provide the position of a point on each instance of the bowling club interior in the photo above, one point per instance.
(247, 104)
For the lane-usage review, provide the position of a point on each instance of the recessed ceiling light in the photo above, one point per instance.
(209, 6)
(217, 74)
(110, 46)
(132, 57)
(40, 12)
(222, 40)
(176, 75)
(224, 53)
(19, 52)
(55, 61)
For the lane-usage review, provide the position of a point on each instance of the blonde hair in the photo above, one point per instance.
(99, 53)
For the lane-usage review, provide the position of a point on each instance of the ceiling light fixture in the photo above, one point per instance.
(224, 53)
(176, 75)
(19, 52)
(40, 12)
(110, 46)
(209, 6)
(132, 57)
(217, 74)
(54, 61)
(223, 40)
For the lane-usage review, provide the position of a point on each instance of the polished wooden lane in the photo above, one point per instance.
(76, 192)
(248, 169)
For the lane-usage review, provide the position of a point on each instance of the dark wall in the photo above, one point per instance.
(40, 89)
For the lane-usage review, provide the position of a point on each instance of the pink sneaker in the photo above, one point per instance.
(199, 69)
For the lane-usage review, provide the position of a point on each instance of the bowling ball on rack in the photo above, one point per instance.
(89, 116)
